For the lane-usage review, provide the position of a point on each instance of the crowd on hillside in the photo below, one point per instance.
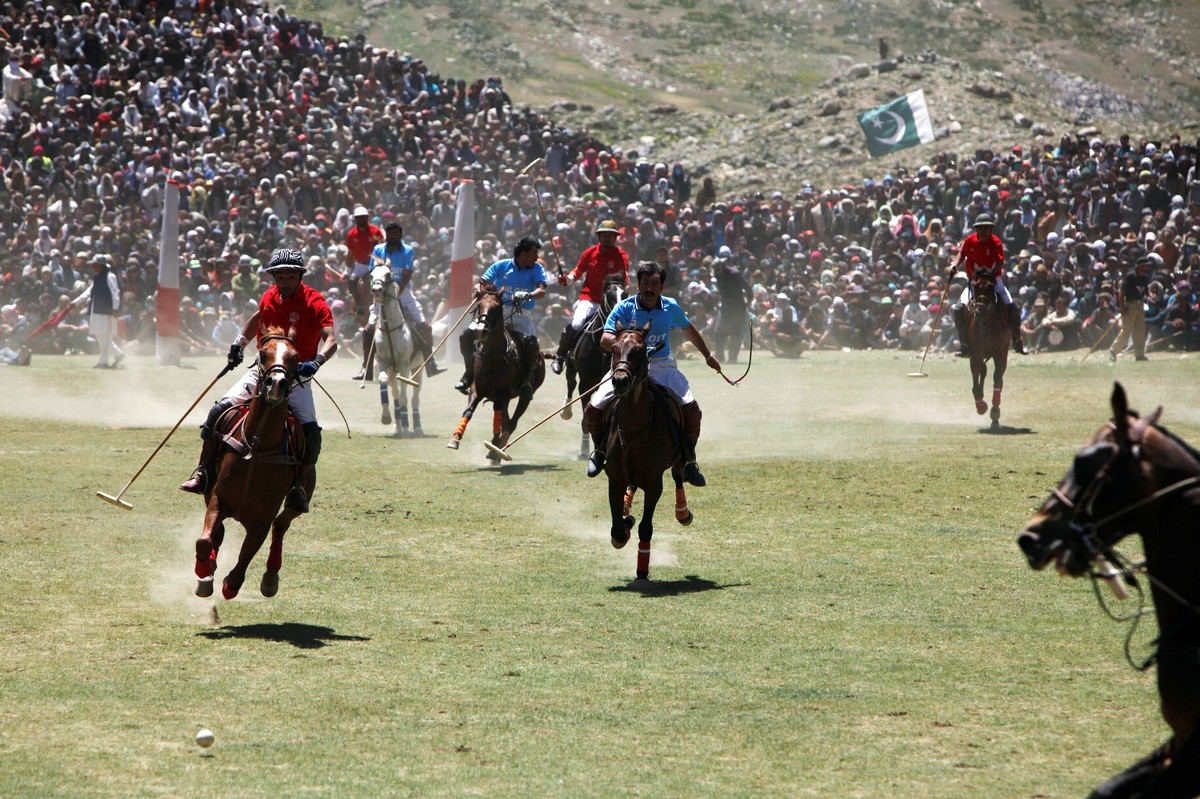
(275, 130)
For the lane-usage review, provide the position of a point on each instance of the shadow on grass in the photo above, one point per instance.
(302, 636)
(1001, 430)
(691, 584)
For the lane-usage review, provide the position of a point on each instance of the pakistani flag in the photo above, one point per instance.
(904, 122)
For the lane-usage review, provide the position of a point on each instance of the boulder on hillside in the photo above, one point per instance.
(831, 108)
(664, 109)
(886, 65)
(1041, 130)
(780, 104)
(1022, 121)
(859, 71)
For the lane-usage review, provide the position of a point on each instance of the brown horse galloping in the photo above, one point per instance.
(263, 447)
(645, 438)
(1136, 477)
(498, 374)
(988, 335)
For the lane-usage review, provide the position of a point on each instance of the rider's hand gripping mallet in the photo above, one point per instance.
(412, 380)
(503, 453)
(120, 503)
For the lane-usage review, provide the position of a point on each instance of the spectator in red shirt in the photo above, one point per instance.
(982, 250)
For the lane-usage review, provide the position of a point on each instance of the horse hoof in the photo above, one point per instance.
(566, 412)
(995, 414)
(204, 587)
(619, 542)
(452, 444)
(981, 407)
(642, 578)
(686, 520)
(270, 583)
(385, 418)
(229, 592)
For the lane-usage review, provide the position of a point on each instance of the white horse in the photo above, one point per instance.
(396, 356)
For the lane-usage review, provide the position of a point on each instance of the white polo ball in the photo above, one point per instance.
(205, 738)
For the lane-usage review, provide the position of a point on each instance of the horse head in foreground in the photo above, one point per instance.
(1136, 477)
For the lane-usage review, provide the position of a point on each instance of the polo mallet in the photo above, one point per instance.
(932, 332)
(503, 451)
(545, 222)
(445, 338)
(1167, 337)
(120, 503)
(1103, 336)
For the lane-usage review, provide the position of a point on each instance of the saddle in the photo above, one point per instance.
(664, 407)
(230, 430)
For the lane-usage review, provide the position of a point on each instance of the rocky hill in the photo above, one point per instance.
(765, 93)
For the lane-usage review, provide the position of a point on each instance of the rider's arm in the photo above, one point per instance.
(250, 329)
(402, 284)
(540, 291)
(607, 340)
(693, 335)
(328, 344)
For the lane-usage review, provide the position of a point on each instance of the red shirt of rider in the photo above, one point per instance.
(982, 252)
(360, 242)
(596, 264)
(306, 313)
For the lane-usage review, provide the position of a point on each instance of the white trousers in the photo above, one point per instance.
(663, 371)
(300, 400)
(582, 309)
(103, 328)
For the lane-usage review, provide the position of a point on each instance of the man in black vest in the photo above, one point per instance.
(104, 300)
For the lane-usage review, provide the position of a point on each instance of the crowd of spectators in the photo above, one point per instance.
(275, 130)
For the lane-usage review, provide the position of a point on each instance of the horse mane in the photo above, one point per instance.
(1186, 447)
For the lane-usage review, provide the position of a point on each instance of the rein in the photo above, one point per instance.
(749, 359)
(1092, 540)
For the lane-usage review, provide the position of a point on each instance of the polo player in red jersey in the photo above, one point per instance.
(289, 305)
(983, 250)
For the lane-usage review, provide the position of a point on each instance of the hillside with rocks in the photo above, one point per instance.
(765, 93)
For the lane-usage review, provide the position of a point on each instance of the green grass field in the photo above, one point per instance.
(849, 615)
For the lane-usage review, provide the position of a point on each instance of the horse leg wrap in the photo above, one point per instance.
(403, 418)
(683, 514)
(275, 555)
(643, 560)
(416, 420)
(497, 422)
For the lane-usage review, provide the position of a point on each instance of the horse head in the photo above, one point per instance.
(630, 359)
(614, 292)
(381, 279)
(983, 287)
(1112, 489)
(277, 364)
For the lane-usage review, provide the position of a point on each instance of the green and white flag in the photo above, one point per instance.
(904, 122)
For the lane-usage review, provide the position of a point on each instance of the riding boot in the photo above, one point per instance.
(595, 424)
(297, 497)
(530, 355)
(425, 336)
(368, 371)
(960, 324)
(565, 341)
(1014, 323)
(691, 434)
(466, 346)
(199, 481)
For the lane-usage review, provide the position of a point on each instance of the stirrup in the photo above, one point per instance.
(595, 463)
(692, 475)
(196, 483)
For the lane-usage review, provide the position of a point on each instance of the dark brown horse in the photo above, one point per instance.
(498, 374)
(587, 362)
(1136, 477)
(262, 449)
(988, 336)
(645, 438)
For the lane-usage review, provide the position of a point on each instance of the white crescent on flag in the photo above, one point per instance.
(900, 128)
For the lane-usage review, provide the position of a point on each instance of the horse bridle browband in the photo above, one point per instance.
(262, 373)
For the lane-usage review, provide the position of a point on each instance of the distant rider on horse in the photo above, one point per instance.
(399, 257)
(596, 265)
(520, 280)
(982, 250)
(663, 314)
(292, 306)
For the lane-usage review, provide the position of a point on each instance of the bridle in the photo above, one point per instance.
(636, 373)
(1089, 534)
(276, 368)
